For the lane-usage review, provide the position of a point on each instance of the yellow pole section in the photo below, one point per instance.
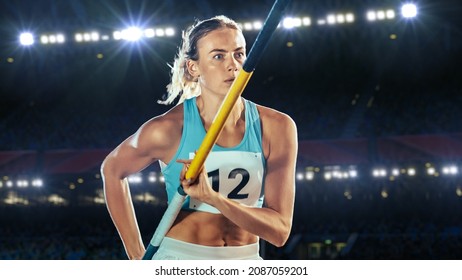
(218, 123)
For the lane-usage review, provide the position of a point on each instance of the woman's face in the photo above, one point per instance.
(221, 56)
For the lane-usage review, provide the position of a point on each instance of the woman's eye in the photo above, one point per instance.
(218, 56)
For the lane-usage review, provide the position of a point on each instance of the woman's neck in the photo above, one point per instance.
(208, 108)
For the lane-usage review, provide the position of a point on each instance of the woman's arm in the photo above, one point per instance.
(273, 222)
(151, 142)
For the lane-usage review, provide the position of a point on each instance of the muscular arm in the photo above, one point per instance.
(151, 142)
(273, 222)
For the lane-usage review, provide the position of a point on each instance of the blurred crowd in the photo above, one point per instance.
(418, 219)
(318, 116)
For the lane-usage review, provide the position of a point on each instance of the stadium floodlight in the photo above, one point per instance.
(371, 16)
(94, 36)
(87, 37)
(22, 183)
(160, 32)
(152, 178)
(169, 31)
(117, 35)
(331, 19)
(135, 178)
(390, 14)
(44, 39)
(306, 21)
(131, 34)
(78, 37)
(149, 33)
(337, 174)
(379, 172)
(340, 18)
(61, 38)
(353, 173)
(382, 172)
(350, 17)
(38, 183)
(321, 21)
(409, 10)
(380, 15)
(26, 39)
(52, 39)
(411, 171)
(247, 26)
(291, 22)
(450, 170)
(257, 25)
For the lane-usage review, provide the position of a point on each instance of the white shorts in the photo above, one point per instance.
(172, 249)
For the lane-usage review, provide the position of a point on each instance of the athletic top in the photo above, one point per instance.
(237, 172)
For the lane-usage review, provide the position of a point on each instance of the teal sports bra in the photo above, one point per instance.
(236, 172)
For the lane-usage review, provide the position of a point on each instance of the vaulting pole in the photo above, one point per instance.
(235, 91)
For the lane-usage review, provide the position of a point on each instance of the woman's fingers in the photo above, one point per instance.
(186, 164)
(185, 161)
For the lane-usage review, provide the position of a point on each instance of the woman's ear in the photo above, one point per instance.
(193, 69)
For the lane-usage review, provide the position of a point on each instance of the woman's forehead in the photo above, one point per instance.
(223, 38)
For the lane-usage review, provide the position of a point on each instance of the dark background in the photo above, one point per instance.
(348, 82)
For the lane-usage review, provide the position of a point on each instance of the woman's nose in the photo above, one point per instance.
(233, 65)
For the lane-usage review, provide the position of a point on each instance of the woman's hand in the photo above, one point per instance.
(200, 188)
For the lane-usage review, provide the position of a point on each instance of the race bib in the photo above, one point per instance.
(236, 175)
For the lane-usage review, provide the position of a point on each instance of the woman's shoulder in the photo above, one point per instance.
(163, 129)
(278, 130)
(276, 125)
(273, 117)
(171, 117)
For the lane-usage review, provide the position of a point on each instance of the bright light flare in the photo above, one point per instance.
(131, 34)
(291, 22)
(26, 39)
(409, 10)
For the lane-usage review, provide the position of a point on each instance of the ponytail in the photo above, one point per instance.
(182, 83)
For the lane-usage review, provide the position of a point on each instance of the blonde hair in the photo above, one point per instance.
(182, 83)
